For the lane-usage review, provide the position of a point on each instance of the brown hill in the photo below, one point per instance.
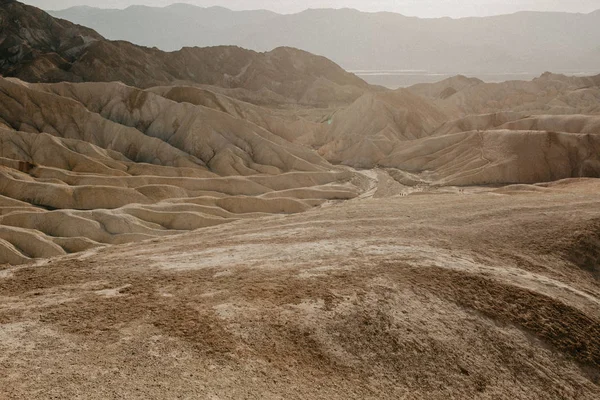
(499, 156)
(548, 94)
(34, 45)
(40, 48)
(445, 88)
(367, 131)
(359, 135)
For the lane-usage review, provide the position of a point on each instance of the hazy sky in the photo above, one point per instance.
(422, 8)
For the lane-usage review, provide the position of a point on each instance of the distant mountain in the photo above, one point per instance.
(36, 47)
(525, 41)
(169, 28)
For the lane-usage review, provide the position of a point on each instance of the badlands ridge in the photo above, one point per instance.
(88, 164)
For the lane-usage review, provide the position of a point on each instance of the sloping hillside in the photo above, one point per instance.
(548, 94)
(90, 164)
(40, 48)
(479, 294)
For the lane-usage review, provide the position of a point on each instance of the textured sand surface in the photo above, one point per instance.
(487, 294)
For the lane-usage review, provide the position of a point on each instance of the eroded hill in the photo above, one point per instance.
(84, 165)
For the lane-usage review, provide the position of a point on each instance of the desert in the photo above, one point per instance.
(226, 223)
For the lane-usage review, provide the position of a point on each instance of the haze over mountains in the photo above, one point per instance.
(217, 222)
(38, 48)
(418, 8)
(531, 42)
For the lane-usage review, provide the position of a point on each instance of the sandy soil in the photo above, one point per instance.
(470, 293)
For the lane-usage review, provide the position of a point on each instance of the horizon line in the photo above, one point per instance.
(317, 9)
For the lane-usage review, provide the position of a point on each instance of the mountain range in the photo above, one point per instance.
(525, 41)
(38, 48)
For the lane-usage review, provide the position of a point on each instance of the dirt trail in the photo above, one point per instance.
(373, 176)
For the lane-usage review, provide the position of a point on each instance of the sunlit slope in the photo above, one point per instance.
(90, 164)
